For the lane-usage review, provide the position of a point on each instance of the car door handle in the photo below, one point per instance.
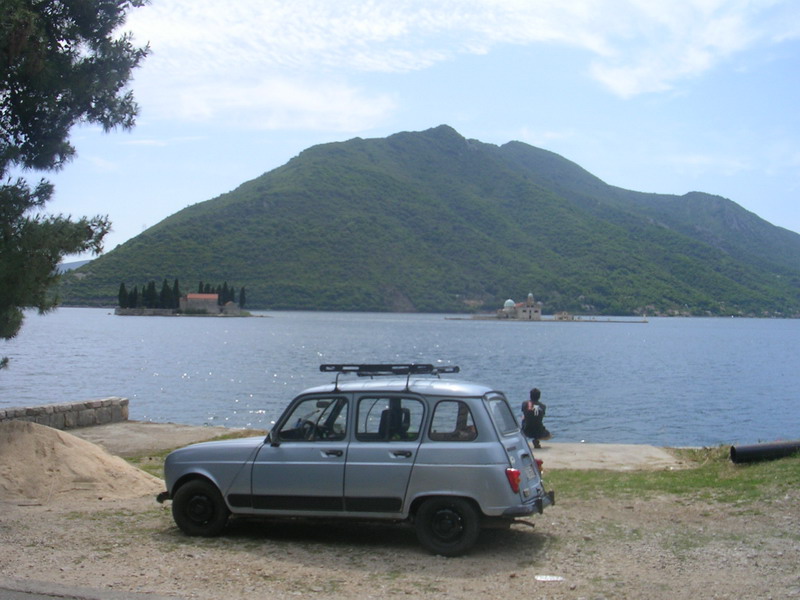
(402, 453)
(333, 452)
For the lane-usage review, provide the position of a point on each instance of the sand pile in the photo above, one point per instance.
(43, 465)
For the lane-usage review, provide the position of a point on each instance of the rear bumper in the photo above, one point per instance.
(538, 506)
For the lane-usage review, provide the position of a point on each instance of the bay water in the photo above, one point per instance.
(668, 382)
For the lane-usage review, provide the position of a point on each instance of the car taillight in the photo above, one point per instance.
(513, 476)
(540, 464)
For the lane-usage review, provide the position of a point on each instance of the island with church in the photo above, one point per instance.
(207, 301)
(530, 310)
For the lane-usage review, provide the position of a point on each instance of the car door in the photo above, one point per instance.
(382, 454)
(301, 469)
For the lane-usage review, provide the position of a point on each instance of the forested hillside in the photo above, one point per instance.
(431, 221)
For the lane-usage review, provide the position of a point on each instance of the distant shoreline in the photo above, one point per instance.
(169, 312)
(572, 320)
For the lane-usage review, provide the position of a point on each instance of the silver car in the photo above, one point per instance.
(400, 443)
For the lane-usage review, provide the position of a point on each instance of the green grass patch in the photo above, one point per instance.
(711, 475)
(152, 463)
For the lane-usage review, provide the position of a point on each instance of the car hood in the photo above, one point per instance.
(224, 450)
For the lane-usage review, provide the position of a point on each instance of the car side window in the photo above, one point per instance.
(316, 419)
(389, 419)
(452, 422)
(502, 416)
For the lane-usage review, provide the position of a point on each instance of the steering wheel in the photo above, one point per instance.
(308, 429)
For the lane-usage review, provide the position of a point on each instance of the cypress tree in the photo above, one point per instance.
(151, 296)
(241, 298)
(165, 297)
(122, 296)
(176, 294)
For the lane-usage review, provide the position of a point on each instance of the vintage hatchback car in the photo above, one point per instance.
(445, 455)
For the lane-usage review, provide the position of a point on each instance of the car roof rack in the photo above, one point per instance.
(386, 370)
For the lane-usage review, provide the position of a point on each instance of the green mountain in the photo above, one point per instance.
(431, 221)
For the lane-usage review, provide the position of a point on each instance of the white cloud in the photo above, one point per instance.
(661, 44)
(289, 63)
(277, 102)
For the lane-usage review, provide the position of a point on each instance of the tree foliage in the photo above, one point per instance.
(60, 65)
(170, 295)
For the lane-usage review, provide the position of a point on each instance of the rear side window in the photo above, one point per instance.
(389, 419)
(502, 416)
(452, 422)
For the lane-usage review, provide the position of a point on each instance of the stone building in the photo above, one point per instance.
(208, 303)
(530, 310)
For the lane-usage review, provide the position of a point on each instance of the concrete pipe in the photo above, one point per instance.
(755, 452)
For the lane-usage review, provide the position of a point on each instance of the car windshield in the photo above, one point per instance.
(501, 415)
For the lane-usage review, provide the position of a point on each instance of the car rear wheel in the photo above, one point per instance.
(447, 526)
(199, 509)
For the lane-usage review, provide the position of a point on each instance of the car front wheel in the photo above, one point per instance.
(447, 526)
(199, 509)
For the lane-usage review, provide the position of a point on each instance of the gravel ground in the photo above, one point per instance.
(73, 532)
(595, 549)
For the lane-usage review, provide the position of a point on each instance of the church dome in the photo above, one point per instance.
(508, 303)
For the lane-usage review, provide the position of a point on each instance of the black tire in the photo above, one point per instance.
(447, 526)
(199, 509)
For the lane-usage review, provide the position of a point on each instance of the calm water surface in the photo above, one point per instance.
(667, 382)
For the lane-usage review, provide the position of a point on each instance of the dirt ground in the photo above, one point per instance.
(132, 438)
(80, 533)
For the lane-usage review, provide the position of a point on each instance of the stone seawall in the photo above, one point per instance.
(145, 312)
(71, 415)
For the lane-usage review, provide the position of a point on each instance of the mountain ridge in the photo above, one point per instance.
(432, 221)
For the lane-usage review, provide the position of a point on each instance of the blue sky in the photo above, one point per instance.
(654, 96)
